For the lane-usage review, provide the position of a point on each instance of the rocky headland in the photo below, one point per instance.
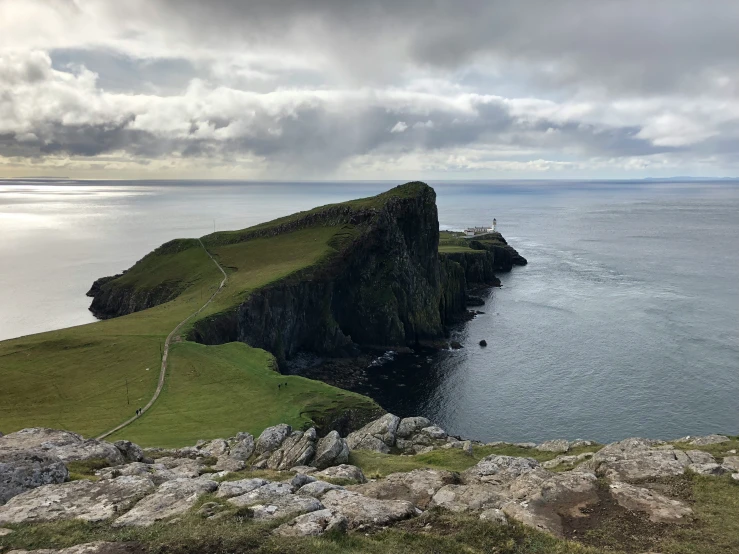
(298, 484)
(386, 287)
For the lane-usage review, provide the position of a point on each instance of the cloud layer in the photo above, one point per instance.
(336, 88)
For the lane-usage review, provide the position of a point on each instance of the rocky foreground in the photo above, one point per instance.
(313, 490)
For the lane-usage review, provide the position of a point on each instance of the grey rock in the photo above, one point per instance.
(525, 444)
(265, 494)
(317, 489)
(297, 449)
(171, 499)
(331, 450)
(735, 476)
(285, 506)
(708, 440)
(362, 510)
(228, 463)
(271, 438)
(382, 429)
(557, 445)
(87, 500)
(306, 470)
(4, 532)
(571, 460)
(313, 524)
(410, 426)
(709, 469)
(659, 508)
(417, 486)
(580, 442)
(215, 448)
(131, 452)
(434, 432)
(301, 480)
(463, 498)
(499, 469)
(700, 457)
(732, 462)
(67, 446)
(494, 514)
(182, 467)
(343, 471)
(24, 470)
(158, 473)
(229, 489)
(243, 447)
(635, 458)
(538, 498)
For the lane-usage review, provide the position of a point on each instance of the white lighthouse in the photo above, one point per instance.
(492, 229)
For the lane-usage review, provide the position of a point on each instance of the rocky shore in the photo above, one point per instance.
(309, 487)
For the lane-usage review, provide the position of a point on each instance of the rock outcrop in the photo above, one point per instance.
(24, 470)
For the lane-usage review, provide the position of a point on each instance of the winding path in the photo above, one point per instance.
(165, 353)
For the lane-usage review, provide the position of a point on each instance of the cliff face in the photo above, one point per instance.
(504, 255)
(385, 289)
(479, 267)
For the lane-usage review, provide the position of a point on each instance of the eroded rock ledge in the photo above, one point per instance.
(315, 488)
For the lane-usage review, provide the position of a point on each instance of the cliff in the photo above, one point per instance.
(383, 284)
(383, 288)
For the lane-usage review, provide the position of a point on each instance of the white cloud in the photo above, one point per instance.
(399, 127)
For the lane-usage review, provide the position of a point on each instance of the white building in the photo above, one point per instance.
(472, 231)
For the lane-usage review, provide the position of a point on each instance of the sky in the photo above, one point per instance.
(371, 89)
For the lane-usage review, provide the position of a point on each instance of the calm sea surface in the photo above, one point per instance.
(624, 322)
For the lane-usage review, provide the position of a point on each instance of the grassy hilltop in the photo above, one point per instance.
(92, 377)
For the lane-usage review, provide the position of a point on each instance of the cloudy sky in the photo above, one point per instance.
(370, 89)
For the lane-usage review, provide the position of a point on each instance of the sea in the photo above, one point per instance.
(624, 322)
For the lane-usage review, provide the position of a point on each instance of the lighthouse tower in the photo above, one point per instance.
(495, 222)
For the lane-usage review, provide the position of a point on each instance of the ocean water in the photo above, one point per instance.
(624, 323)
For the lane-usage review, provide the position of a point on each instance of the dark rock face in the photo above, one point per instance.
(387, 289)
(110, 302)
(479, 267)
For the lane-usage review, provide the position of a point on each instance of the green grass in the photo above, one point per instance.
(90, 378)
(220, 390)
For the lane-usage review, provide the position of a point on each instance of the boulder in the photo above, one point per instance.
(170, 499)
(24, 470)
(700, 457)
(67, 446)
(229, 464)
(297, 449)
(709, 469)
(331, 450)
(87, 500)
(317, 489)
(313, 524)
(271, 438)
(285, 506)
(732, 462)
(229, 489)
(659, 508)
(464, 498)
(634, 459)
(305, 470)
(708, 440)
(494, 514)
(215, 448)
(158, 473)
(362, 510)
(417, 486)
(265, 494)
(182, 467)
(131, 452)
(242, 447)
(300, 480)
(434, 432)
(559, 446)
(378, 435)
(499, 469)
(343, 471)
(540, 498)
(410, 426)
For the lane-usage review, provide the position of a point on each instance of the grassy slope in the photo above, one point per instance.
(76, 378)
